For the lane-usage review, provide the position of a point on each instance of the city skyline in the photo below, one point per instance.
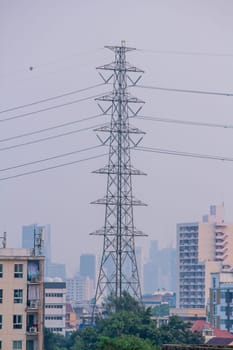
(183, 45)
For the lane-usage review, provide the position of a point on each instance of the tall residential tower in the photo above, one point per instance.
(202, 248)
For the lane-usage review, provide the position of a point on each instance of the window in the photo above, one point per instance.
(1, 295)
(18, 296)
(0, 322)
(17, 344)
(18, 272)
(17, 321)
(58, 295)
(54, 306)
(1, 272)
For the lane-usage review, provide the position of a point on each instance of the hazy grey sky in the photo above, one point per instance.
(63, 41)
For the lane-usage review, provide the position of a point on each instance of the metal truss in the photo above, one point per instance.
(118, 269)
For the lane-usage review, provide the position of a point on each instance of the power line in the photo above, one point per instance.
(50, 128)
(144, 149)
(183, 154)
(69, 93)
(188, 53)
(51, 167)
(184, 122)
(184, 90)
(50, 158)
(50, 108)
(48, 138)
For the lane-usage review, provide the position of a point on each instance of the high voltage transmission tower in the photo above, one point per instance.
(118, 268)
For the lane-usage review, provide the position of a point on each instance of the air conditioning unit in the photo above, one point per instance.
(32, 329)
(34, 304)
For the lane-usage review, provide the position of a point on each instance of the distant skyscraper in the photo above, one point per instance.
(88, 266)
(159, 271)
(202, 248)
(167, 271)
(150, 272)
(28, 240)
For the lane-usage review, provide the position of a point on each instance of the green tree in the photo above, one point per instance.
(53, 341)
(124, 342)
(131, 328)
(178, 332)
(160, 310)
(85, 339)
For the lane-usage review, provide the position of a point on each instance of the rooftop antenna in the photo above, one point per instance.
(3, 239)
(38, 241)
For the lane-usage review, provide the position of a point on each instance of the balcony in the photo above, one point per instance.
(34, 280)
(33, 304)
(32, 331)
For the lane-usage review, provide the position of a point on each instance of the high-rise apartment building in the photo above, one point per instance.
(55, 306)
(202, 248)
(80, 289)
(21, 299)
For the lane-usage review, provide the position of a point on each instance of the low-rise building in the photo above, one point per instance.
(55, 307)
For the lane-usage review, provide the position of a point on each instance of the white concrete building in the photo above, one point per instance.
(79, 289)
(21, 299)
(202, 248)
(55, 306)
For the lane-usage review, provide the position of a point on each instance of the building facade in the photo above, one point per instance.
(220, 305)
(55, 307)
(202, 248)
(21, 299)
(80, 289)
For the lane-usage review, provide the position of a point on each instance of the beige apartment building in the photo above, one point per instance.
(202, 248)
(21, 299)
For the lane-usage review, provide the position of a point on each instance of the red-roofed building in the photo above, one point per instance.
(209, 332)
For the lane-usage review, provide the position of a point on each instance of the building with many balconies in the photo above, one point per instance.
(21, 299)
(202, 248)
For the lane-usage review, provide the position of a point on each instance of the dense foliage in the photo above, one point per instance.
(127, 325)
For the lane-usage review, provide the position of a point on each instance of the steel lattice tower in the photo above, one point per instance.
(118, 269)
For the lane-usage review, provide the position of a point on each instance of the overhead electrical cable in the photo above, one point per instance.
(202, 92)
(69, 93)
(50, 108)
(50, 128)
(183, 154)
(188, 53)
(184, 122)
(138, 148)
(50, 158)
(51, 167)
(48, 138)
